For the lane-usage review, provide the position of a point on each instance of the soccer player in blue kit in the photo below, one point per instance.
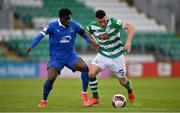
(62, 34)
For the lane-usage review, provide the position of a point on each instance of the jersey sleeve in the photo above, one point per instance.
(40, 36)
(46, 30)
(119, 23)
(77, 26)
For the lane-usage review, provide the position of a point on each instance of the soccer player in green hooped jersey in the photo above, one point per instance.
(111, 52)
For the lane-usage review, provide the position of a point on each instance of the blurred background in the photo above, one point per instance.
(155, 47)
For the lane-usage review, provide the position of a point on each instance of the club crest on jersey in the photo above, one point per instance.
(119, 22)
(71, 29)
(65, 39)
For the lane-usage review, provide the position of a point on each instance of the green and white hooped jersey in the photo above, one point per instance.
(113, 46)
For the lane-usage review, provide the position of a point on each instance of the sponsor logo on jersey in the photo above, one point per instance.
(120, 22)
(65, 39)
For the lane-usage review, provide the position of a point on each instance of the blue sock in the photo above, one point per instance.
(47, 89)
(85, 81)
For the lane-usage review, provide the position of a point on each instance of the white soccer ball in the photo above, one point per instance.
(119, 100)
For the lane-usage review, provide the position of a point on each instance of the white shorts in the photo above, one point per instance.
(116, 65)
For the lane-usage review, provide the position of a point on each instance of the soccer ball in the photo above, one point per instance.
(119, 100)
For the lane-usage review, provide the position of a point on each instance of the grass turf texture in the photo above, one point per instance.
(152, 95)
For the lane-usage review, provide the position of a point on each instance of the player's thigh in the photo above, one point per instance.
(98, 64)
(117, 66)
(54, 68)
(75, 63)
(94, 70)
(100, 61)
(58, 64)
(80, 65)
(53, 72)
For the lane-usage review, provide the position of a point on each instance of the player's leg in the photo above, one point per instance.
(53, 72)
(93, 71)
(119, 69)
(52, 75)
(81, 66)
(97, 65)
(75, 63)
(127, 84)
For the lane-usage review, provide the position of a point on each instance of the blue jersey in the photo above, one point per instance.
(61, 38)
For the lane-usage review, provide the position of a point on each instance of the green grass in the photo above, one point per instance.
(152, 94)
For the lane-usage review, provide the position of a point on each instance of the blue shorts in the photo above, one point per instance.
(60, 63)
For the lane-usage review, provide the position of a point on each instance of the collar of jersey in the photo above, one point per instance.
(60, 24)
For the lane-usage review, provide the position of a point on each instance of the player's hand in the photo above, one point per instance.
(104, 36)
(28, 50)
(128, 47)
(95, 46)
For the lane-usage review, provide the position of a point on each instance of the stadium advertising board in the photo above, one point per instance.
(30, 69)
(154, 69)
(23, 69)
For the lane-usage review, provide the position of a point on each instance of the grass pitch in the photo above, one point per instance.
(152, 95)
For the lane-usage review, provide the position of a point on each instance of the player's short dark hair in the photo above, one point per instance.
(64, 12)
(100, 14)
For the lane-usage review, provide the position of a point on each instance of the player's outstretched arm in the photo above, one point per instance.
(35, 42)
(130, 33)
(95, 44)
(88, 38)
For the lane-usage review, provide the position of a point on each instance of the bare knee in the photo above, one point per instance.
(122, 81)
(84, 68)
(80, 65)
(92, 74)
(93, 71)
(52, 74)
